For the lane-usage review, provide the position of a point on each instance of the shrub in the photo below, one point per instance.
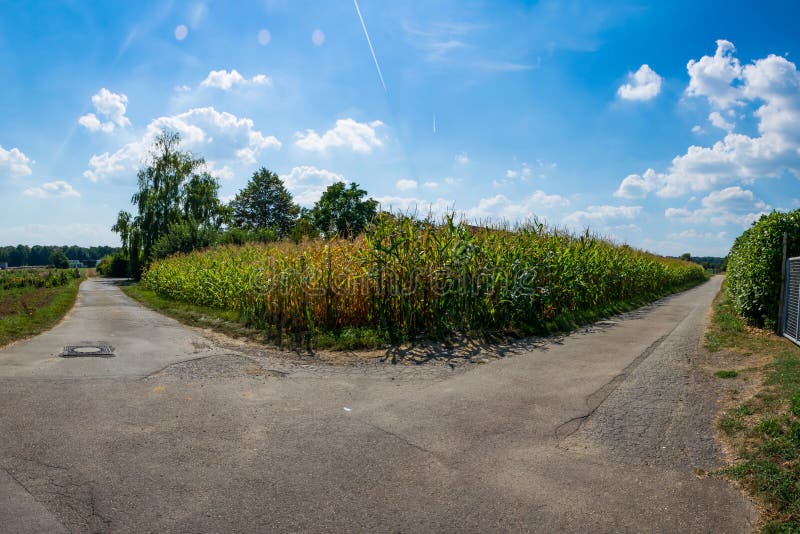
(115, 266)
(754, 266)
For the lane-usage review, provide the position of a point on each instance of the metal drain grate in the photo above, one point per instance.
(101, 349)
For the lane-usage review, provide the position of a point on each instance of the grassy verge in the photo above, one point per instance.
(762, 431)
(25, 312)
(231, 323)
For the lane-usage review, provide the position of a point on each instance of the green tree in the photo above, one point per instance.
(58, 259)
(159, 199)
(265, 203)
(201, 202)
(343, 211)
(123, 227)
(686, 256)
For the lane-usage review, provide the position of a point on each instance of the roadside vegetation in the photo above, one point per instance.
(754, 267)
(405, 278)
(761, 427)
(761, 430)
(33, 300)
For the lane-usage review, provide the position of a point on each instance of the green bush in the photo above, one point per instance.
(115, 266)
(754, 266)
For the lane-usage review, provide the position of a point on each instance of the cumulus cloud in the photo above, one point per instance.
(638, 186)
(406, 185)
(415, 206)
(58, 188)
(501, 207)
(644, 84)
(14, 162)
(719, 121)
(112, 107)
(307, 183)
(218, 135)
(222, 79)
(599, 217)
(348, 133)
(731, 205)
(462, 158)
(773, 85)
(223, 173)
(712, 76)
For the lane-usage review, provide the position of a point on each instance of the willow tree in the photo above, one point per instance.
(160, 195)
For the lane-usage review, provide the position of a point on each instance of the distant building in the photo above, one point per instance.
(75, 264)
(3, 265)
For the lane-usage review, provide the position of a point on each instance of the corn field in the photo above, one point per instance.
(420, 277)
(19, 278)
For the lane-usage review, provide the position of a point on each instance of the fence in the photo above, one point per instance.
(790, 318)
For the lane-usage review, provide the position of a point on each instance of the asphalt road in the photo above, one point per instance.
(604, 430)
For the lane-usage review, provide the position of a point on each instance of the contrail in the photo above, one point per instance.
(369, 42)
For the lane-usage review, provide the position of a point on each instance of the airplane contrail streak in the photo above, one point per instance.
(369, 42)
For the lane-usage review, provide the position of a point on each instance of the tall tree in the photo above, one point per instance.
(159, 197)
(265, 203)
(123, 228)
(201, 202)
(343, 211)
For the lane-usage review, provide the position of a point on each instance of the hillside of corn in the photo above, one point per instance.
(410, 278)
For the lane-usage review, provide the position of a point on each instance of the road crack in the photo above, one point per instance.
(599, 396)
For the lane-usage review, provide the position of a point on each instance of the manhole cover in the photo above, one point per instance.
(88, 349)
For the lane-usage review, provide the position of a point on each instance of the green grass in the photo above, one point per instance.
(764, 430)
(26, 312)
(726, 374)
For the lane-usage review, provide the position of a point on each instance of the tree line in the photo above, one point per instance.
(177, 209)
(21, 255)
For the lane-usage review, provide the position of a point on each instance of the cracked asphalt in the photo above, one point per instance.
(606, 430)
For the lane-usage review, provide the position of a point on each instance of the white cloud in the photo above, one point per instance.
(697, 129)
(771, 83)
(598, 218)
(732, 205)
(501, 207)
(733, 198)
(58, 188)
(644, 84)
(638, 186)
(712, 76)
(719, 121)
(694, 234)
(307, 183)
(223, 173)
(462, 158)
(415, 206)
(406, 185)
(111, 106)
(318, 37)
(14, 162)
(348, 133)
(430, 185)
(220, 136)
(222, 79)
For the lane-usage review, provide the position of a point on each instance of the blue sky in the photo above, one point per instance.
(666, 125)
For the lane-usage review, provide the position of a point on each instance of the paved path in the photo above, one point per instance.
(600, 431)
